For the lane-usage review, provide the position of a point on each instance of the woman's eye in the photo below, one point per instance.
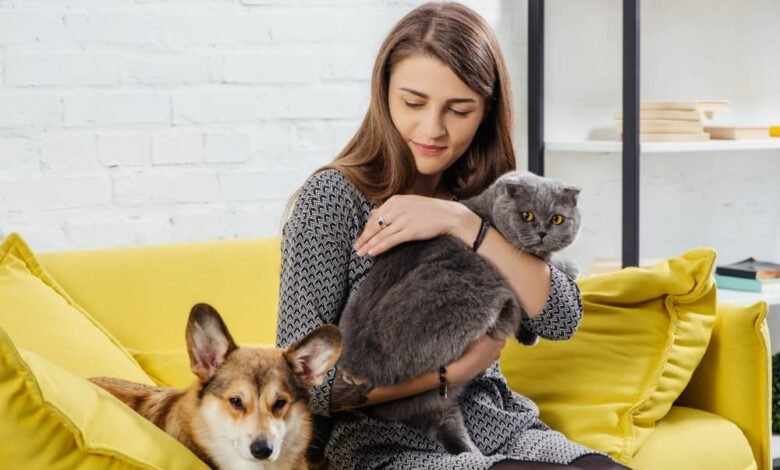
(236, 403)
(528, 216)
(460, 113)
(413, 105)
(557, 219)
(279, 404)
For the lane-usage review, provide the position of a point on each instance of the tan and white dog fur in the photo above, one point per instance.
(248, 408)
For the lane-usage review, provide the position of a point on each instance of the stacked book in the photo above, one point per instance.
(674, 121)
(737, 131)
(749, 275)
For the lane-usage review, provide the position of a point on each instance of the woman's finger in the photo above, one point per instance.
(378, 237)
(382, 235)
(371, 228)
(390, 241)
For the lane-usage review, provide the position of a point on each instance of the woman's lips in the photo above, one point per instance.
(430, 150)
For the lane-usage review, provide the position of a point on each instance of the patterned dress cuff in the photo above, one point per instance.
(563, 311)
(320, 399)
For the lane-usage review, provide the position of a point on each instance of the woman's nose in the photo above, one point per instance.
(432, 125)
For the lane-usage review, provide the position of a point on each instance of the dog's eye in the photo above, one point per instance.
(236, 403)
(279, 404)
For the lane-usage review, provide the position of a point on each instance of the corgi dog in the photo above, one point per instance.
(248, 408)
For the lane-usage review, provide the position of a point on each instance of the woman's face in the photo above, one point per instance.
(434, 111)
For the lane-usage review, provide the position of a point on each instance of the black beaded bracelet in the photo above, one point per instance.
(483, 229)
(443, 382)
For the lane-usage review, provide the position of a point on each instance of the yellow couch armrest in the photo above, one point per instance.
(733, 379)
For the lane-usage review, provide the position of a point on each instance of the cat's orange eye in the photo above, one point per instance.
(528, 216)
(557, 219)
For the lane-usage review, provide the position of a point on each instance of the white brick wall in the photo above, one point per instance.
(34, 69)
(126, 122)
(52, 193)
(134, 122)
(21, 108)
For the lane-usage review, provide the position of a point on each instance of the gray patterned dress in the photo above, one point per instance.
(320, 270)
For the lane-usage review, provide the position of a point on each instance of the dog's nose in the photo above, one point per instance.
(260, 450)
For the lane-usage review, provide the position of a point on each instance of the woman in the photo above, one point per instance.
(438, 128)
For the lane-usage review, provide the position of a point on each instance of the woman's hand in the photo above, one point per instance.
(477, 357)
(410, 217)
(351, 392)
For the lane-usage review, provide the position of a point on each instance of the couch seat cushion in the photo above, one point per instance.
(687, 439)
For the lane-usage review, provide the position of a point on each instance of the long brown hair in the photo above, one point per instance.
(378, 161)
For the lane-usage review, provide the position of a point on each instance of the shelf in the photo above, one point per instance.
(747, 298)
(775, 448)
(614, 146)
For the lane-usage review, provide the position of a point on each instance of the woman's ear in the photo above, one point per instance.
(488, 107)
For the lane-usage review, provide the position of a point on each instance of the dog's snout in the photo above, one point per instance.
(260, 449)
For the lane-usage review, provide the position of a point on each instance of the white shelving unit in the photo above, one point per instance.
(614, 149)
(748, 298)
(613, 146)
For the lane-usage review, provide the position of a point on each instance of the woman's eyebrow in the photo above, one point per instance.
(451, 100)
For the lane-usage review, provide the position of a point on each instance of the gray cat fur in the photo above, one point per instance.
(423, 302)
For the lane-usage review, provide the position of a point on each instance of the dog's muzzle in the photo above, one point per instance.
(260, 450)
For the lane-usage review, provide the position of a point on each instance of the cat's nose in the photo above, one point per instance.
(542, 235)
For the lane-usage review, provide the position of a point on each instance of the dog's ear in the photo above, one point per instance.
(208, 341)
(312, 356)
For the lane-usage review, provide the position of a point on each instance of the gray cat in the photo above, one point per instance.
(423, 302)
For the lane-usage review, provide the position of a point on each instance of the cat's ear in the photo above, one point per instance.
(570, 194)
(518, 191)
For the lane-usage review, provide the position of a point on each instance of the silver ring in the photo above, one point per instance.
(381, 222)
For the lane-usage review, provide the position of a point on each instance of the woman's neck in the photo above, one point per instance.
(430, 186)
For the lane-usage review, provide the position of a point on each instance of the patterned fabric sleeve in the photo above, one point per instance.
(314, 273)
(562, 312)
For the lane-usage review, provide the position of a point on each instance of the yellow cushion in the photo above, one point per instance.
(50, 418)
(172, 368)
(143, 295)
(687, 439)
(643, 333)
(42, 318)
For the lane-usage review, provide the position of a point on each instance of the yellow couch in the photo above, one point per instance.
(142, 296)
